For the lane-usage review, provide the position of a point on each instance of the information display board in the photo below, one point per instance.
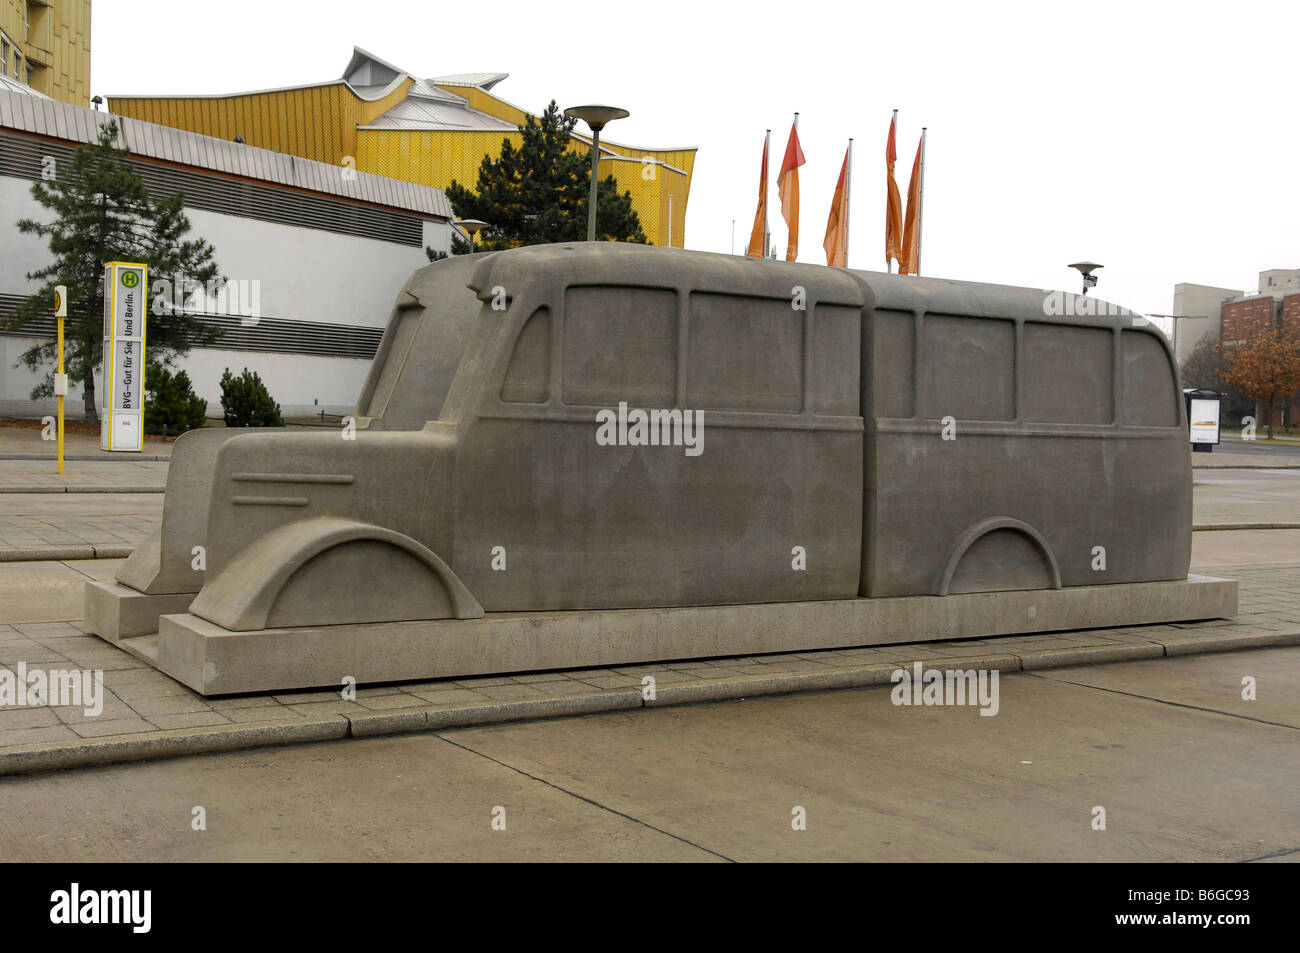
(121, 416)
(1203, 419)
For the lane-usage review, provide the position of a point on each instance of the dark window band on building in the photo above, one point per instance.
(21, 157)
(267, 334)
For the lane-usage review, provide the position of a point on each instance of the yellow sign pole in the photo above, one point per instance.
(60, 379)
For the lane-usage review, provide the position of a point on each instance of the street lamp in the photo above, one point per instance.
(1086, 268)
(1173, 329)
(471, 226)
(596, 118)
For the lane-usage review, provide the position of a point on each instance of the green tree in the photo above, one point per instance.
(1266, 368)
(458, 247)
(1206, 367)
(537, 192)
(170, 402)
(245, 401)
(102, 212)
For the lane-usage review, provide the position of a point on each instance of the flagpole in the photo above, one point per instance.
(767, 233)
(920, 204)
(796, 172)
(848, 194)
(893, 130)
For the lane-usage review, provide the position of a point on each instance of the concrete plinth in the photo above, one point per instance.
(115, 612)
(215, 661)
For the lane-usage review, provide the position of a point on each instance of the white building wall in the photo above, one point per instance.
(300, 383)
(309, 274)
(305, 274)
(19, 253)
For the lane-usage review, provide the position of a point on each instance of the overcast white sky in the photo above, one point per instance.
(1159, 139)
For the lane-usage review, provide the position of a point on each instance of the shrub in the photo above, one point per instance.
(170, 405)
(245, 401)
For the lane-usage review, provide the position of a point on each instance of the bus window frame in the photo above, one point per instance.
(918, 423)
(554, 297)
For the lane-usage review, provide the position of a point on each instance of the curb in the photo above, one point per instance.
(182, 742)
(176, 743)
(83, 489)
(1218, 527)
(88, 457)
(1246, 466)
(57, 553)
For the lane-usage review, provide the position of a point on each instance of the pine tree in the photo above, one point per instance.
(537, 192)
(245, 401)
(459, 246)
(102, 213)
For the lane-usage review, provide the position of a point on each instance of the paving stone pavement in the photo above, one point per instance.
(95, 476)
(74, 537)
(146, 714)
(18, 441)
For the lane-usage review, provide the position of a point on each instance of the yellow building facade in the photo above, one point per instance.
(380, 119)
(45, 45)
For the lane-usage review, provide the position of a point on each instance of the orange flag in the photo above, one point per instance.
(758, 237)
(787, 185)
(836, 242)
(893, 204)
(909, 262)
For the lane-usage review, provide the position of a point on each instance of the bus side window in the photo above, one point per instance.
(744, 354)
(836, 345)
(620, 344)
(1150, 396)
(526, 377)
(1068, 374)
(893, 348)
(969, 370)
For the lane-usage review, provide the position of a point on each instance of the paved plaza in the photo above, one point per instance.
(1183, 767)
(1160, 733)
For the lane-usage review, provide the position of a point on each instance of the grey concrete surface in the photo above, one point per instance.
(113, 476)
(1225, 499)
(213, 660)
(1248, 547)
(1185, 770)
(46, 590)
(20, 441)
(1281, 448)
(148, 715)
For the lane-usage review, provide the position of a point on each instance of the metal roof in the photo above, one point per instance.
(47, 117)
(484, 81)
(418, 112)
(428, 89)
(8, 85)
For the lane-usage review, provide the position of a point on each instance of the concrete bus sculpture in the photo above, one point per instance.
(810, 457)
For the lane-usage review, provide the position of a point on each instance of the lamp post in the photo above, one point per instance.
(1086, 268)
(596, 118)
(1173, 329)
(471, 226)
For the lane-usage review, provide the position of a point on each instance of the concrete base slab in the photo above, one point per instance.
(115, 612)
(214, 661)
